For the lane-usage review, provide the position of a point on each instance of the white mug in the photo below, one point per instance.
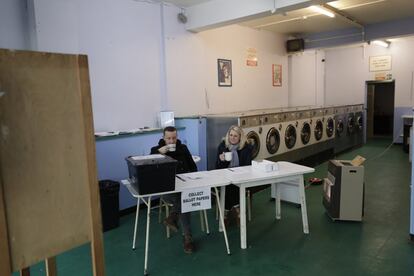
(228, 156)
(171, 147)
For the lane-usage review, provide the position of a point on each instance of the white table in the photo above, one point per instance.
(246, 177)
(188, 181)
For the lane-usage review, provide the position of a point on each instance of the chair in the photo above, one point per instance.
(249, 195)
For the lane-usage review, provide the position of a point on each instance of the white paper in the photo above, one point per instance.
(147, 157)
(196, 199)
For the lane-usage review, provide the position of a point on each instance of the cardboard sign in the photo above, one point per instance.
(197, 199)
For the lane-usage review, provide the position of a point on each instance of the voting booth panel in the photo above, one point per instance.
(50, 196)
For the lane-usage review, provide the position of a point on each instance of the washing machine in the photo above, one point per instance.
(329, 123)
(317, 120)
(359, 124)
(253, 129)
(341, 118)
(289, 130)
(304, 128)
(271, 135)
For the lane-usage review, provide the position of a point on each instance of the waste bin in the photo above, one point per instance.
(109, 191)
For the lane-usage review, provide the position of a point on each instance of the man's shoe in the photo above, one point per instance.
(188, 244)
(171, 222)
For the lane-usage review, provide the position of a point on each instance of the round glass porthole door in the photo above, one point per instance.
(330, 125)
(339, 127)
(272, 140)
(351, 124)
(360, 123)
(318, 130)
(254, 140)
(305, 133)
(290, 136)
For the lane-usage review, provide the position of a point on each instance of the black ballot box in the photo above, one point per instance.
(153, 173)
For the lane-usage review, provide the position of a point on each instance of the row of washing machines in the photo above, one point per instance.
(295, 134)
(282, 132)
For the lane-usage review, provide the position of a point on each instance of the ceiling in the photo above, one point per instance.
(306, 21)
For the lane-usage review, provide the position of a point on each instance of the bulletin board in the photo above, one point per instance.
(49, 195)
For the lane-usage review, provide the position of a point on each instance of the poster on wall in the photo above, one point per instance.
(277, 74)
(251, 57)
(224, 72)
(379, 63)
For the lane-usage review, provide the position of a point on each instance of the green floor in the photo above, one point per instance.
(377, 246)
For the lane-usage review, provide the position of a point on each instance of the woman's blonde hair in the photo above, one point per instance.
(239, 130)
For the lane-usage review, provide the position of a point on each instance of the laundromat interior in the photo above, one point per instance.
(85, 85)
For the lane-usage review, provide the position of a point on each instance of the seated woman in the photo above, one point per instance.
(241, 155)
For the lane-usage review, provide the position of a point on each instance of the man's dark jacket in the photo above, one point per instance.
(181, 154)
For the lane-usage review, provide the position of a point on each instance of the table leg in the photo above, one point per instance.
(206, 221)
(276, 188)
(50, 264)
(147, 236)
(243, 230)
(221, 217)
(222, 197)
(136, 225)
(303, 205)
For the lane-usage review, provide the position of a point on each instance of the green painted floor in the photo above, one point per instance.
(377, 246)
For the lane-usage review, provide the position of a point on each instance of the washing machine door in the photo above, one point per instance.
(359, 122)
(318, 130)
(272, 140)
(290, 136)
(254, 140)
(351, 124)
(305, 133)
(330, 126)
(339, 127)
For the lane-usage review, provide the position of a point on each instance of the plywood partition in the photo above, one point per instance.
(47, 157)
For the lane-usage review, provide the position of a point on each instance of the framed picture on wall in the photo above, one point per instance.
(224, 72)
(277, 74)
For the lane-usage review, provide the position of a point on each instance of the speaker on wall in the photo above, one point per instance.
(295, 45)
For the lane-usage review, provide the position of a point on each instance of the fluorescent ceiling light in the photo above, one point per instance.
(381, 43)
(322, 11)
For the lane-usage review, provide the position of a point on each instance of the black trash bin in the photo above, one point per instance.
(109, 191)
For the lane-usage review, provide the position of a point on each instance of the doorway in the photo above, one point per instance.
(380, 108)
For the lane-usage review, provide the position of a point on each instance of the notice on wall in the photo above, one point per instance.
(379, 63)
(197, 199)
(251, 57)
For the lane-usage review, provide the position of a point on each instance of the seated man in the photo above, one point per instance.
(185, 164)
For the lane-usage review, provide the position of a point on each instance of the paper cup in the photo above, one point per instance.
(228, 156)
(171, 147)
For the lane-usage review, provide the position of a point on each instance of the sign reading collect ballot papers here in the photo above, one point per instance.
(196, 199)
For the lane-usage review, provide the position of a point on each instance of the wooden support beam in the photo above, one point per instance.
(5, 264)
(95, 210)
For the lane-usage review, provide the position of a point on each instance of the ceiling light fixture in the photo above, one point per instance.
(322, 11)
(382, 43)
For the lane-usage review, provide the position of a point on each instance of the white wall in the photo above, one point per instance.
(135, 73)
(347, 70)
(346, 73)
(13, 24)
(192, 69)
(306, 82)
(122, 41)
